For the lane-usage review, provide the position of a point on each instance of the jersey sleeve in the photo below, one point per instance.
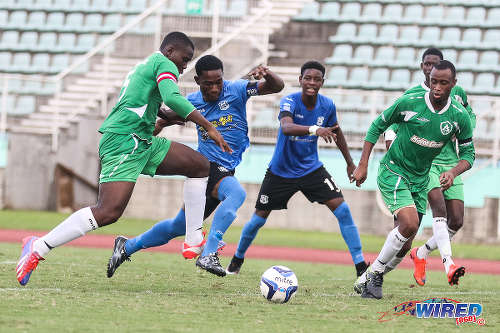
(384, 120)
(244, 89)
(466, 149)
(166, 75)
(287, 107)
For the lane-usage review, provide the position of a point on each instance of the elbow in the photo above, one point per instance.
(279, 86)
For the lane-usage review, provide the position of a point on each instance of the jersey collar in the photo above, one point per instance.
(429, 104)
(425, 87)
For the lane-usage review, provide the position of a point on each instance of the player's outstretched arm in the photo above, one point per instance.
(342, 145)
(361, 172)
(196, 117)
(290, 128)
(272, 82)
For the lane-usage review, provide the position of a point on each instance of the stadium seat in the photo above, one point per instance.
(493, 18)
(467, 60)
(491, 38)
(3, 17)
(465, 80)
(5, 58)
(341, 55)
(9, 40)
(25, 105)
(351, 11)
(13, 86)
(393, 13)
(413, 13)
(55, 21)
(337, 76)
(388, 34)
(378, 78)
(21, 62)
(345, 33)
(384, 56)
(137, 6)
(417, 77)
(309, 11)
(59, 62)
(40, 62)
(113, 22)
(484, 84)
(450, 55)
(93, 22)
(74, 21)
(118, 6)
(471, 38)
(371, 12)
(66, 42)
(28, 40)
(47, 41)
(85, 42)
(434, 15)
(329, 11)
(400, 79)
(17, 19)
(488, 61)
(80, 5)
(363, 55)
(409, 35)
(475, 16)
(367, 33)
(430, 35)
(406, 57)
(61, 4)
(358, 78)
(450, 37)
(36, 20)
(454, 15)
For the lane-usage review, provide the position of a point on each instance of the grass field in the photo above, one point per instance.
(164, 293)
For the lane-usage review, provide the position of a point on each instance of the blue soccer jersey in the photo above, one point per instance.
(228, 114)
(296, 156)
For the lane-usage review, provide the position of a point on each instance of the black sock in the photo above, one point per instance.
(361, 268)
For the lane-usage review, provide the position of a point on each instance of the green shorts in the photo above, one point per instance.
(125, 156)
(455, 192)
(396, 192)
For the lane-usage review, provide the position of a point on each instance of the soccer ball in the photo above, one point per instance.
(278, 284)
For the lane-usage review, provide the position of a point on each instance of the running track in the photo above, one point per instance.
(265, 252)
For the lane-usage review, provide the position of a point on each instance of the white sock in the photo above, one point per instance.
(194, 201)
(393, 244)
(76, 225)
(440, 231)
(429, 246)
(393, 264)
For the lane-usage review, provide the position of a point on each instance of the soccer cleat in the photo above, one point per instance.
(455, 273)
(192, 251)
(360, 283)
(373, 285)
(235, 265)
(211, 264)
(119, 255)
(419, 270)
(28, 261)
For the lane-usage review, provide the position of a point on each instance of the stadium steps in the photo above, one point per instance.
(82, 96)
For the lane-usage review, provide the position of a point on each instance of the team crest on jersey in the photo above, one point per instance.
(446, 127)
(320, 121)
(201, 110)
(222, 169)
(264, 199)
(286, 107)
(223, 105)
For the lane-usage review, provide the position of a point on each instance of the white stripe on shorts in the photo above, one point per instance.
(124, 157)
(396, 188)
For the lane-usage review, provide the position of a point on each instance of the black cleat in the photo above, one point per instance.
(373, 285)
(119, 255)
(235, 265)
(211, 264)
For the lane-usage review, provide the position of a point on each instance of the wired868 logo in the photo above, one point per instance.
(437, 308)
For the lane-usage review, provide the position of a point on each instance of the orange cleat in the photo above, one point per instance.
(455, 273)
(193, 251)
(419, 271)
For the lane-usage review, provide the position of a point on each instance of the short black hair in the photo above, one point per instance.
(208, 63)
(176, 38)
(314, 65)
(432, 51)
(445, 64)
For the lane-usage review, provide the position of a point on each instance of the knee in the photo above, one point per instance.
(200, 167)
(239, 195)
(108, 215)
(455, 223)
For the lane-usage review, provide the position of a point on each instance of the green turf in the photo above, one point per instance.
(163, 292)
(35, 220)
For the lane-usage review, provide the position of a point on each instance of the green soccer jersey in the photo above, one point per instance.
(147, 85)
(448, 155)
(421, 135)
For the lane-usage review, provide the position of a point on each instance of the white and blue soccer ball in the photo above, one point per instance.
(278, 284)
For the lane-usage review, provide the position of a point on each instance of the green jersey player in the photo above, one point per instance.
(447, 206)
(427, 121)
(128, 149)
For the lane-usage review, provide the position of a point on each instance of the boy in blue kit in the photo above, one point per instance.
(223, 103)
(304, 116)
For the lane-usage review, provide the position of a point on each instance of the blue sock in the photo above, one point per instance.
(231, 194)
(248, 234)
(349, 232)
(161, 233)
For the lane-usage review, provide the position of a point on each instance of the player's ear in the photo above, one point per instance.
(197, 79)
(300, 80)
(168, 50)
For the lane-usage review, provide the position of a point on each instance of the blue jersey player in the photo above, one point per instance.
(304, 116)
(223, 103)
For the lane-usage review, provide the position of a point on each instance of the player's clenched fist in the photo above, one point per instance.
(359, 175)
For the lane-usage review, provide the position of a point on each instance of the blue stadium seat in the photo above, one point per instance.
(384, 56)
(393, 13)
(137, 6)
(430, 34)
(118, 6)
(450, 37)
(416, 78)
(3, 17)
(25, 105)
(465, 80)
(450, 55)
(329, 11)
(61, 4)
(59, 62)
(5, 58)
(238, 8)
(32, 87)
(14, 86)
(47, 41)
(113, 22)
(81, 5)
(93, 22)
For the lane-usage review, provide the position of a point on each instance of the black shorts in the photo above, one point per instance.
(217, 172)
(275, 191)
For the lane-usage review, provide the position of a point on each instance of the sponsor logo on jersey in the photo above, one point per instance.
(286, 107)
(289, 99)
(446, 127)
(222, 169)
(223, 105)
(320, 121)
(202, 110)
(264, 199)
(426, 143)
(408, 115)
(423, 119)
(252, 91)
(299, 116)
